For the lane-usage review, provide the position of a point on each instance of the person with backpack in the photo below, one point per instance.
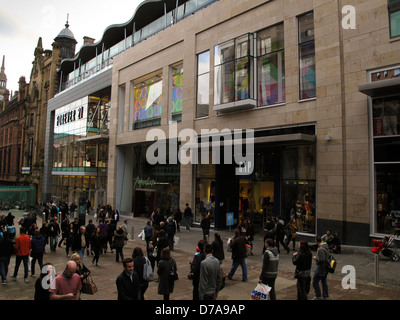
(321, 272)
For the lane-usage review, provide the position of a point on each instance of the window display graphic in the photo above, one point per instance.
(177, 93)
(148, 101)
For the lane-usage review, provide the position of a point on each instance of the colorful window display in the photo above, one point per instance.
(233, 62)
(177, 92)
(271, 66)
(147, 104)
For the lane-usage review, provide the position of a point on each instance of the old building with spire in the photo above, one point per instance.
(4, 92)
(23, 116)
(11, 130)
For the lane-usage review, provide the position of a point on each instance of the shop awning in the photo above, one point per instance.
(381, 88)
(283, 138)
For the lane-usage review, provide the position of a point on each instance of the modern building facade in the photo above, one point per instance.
(294, 76)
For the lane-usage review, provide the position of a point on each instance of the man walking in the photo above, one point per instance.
(127, 282)
(210, 276)
(269, 271)
(321, 273)
(22, 251)
(205, 226)
(238, 245)
(188, 217)
(6, 250)
(54, 232)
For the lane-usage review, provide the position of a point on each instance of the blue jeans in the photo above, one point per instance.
(4, 262)
(53, 243)
(235, 265)
(320, 275)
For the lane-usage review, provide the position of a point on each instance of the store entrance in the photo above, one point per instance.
(144, 203)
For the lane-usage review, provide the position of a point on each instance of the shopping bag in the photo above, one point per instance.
(148, 274)
(176, 240)
(141, 235)
(228, 245)
(261, 292)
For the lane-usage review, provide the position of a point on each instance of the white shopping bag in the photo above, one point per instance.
(141, 235)
(261, 292)
(176, 240)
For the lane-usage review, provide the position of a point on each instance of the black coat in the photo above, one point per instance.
(238, 246)
(127, 289)
(165, 283)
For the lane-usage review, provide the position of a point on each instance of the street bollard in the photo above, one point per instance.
(132, 234)
(376, 274)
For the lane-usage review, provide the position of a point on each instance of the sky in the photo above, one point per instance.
(22, 22)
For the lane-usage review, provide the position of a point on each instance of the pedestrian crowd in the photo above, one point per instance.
(140, 267)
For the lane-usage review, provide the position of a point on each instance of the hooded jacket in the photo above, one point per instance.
(270, 263)
(119, 236)
(322, 256)
(38, 244)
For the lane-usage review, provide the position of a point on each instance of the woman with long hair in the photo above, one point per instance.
(167, 274)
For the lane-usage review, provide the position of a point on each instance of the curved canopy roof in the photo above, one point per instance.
(147, 12)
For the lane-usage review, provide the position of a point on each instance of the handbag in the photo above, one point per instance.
(155, 252)
(173, 275)
(88, 286)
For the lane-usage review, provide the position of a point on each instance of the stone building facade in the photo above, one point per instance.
(288, 70)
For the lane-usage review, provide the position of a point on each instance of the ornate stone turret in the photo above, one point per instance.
(66, 42)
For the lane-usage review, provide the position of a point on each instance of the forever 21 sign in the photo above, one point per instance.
(70, 116)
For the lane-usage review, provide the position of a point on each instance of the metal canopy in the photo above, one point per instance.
(381, 88)
(147, 12)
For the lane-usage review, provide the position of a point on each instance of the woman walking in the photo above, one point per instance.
(138, 262)
(167, 274)
(303, 261)
(96, 246)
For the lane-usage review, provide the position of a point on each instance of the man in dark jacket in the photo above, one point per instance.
(270, 267)
(205, 226)
(38, 245)
(6, 250)
(238, 245)
(198, 257)
(170, 230)
(128, 282)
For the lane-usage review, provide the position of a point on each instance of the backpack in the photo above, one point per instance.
(148, 274)
(331, 264)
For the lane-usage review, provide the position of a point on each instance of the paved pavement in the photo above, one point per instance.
(105, 274)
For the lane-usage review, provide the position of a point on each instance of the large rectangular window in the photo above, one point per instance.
(203, 84)
(394, 17)
(233, 63)
(386, 131)
(176, 94)
(271, 66)
(307, 56)
(147, 102)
